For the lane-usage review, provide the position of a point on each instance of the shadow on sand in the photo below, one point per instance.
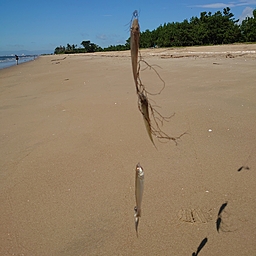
(200, 247)
(243, 167)
(218, 222)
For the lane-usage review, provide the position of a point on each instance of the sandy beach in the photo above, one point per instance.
(71, 135)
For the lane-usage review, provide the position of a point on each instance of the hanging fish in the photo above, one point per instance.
(139, 187)
(134, 45)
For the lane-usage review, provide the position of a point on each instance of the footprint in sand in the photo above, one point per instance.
(195, 215)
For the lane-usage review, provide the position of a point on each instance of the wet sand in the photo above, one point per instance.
(71, 136)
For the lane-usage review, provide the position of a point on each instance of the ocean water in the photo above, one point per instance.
(8, 61)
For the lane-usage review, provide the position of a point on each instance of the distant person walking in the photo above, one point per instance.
(17, 59)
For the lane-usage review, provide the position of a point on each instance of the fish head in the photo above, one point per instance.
(139, 171)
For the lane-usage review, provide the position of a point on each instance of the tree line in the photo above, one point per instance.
(88, 47)
(208, 29)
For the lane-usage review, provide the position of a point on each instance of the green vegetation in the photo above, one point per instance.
(208, 29)
(248, 28)
(88, 47)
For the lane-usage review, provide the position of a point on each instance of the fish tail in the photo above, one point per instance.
(136, 224)
(136, 220)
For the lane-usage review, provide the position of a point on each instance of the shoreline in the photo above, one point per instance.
(22, 59)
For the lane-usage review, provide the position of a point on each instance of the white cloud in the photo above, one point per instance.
(245, 2)
(247, 12)
(215, 5)
(229, 4)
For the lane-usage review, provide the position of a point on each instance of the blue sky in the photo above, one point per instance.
(43, 25)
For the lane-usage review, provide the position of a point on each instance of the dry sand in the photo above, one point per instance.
(71, 136)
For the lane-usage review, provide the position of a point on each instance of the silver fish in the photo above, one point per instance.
(139, 187)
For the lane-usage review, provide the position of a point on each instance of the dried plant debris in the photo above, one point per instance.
(59, 59)
(153, 119)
